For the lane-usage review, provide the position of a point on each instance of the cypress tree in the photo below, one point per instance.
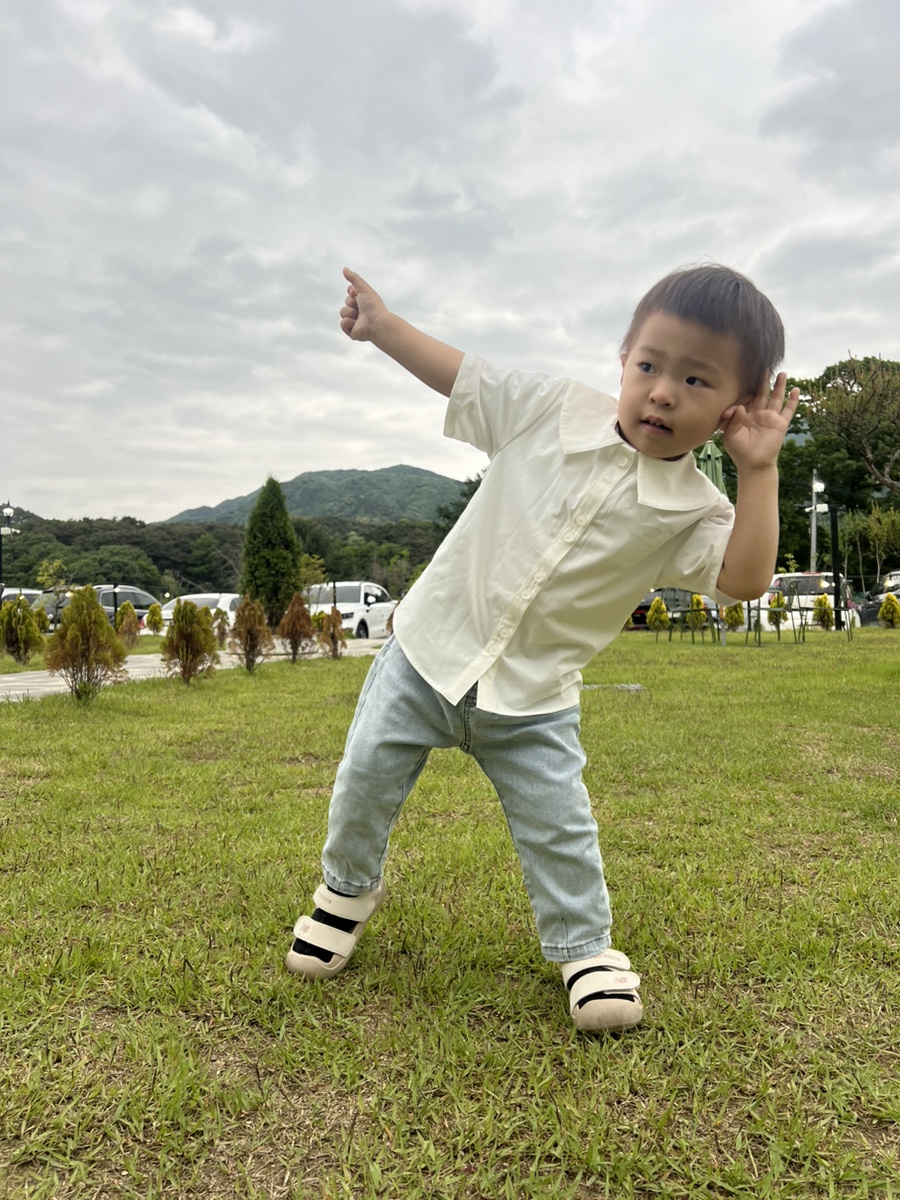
(270, 553)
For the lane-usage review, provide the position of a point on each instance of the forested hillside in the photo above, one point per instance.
(398, 493)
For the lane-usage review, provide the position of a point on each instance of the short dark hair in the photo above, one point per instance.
(725, 302)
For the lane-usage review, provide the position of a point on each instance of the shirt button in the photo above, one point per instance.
(570, 535)
(528, 594)
(609, 477)
(622, 461)
(540, 576)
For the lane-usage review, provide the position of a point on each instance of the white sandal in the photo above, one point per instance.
(339, 943)
(603, 992)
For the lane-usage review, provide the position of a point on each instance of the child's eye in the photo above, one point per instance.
(695, 381)
(645, 367)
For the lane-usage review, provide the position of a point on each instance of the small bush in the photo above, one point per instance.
(733, 617)
(154, 619)
(19, 633)
(696, 616)
(251, 638)
(220, 627)
(331, 632)
(189, 647)
(296, 628)
(777, 610)
(128, 627)
(658, 616)
(889, 612)
(84, 649)
(41, 619)
(822, 612)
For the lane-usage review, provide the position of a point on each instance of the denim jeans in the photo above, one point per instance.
(535, 765)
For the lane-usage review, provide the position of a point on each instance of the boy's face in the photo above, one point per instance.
(678, 379)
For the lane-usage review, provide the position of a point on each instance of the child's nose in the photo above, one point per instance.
(663, 391)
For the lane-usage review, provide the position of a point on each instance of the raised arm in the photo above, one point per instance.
(365, 318)
(752, 435)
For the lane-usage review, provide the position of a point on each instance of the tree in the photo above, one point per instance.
(189, 647)
(658, 616)
(84, 649)
(858, 402)
(889, 613)
(19, 634)
(270, 553)
(128, 627)
(251, 638)
(154, 619)
(296, 628)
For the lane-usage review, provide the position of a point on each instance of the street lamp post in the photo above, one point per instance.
(817, 488)
(6, 530)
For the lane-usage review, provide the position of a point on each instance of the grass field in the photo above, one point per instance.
(157, 846)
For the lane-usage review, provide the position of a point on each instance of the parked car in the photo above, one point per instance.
(228, 602)
(364, 607)
(871, 605)
(10, 593)
(111, 597)
(676, 600)
(801, 588)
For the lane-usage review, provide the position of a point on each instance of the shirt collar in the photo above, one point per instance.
(588, 422)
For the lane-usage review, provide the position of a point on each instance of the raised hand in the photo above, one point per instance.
(362, 308)
(753, 433)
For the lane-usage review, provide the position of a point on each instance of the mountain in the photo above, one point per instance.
(390, 494)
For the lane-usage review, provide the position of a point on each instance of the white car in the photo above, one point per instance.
(801, 589)
(364, 607)
(228, 602)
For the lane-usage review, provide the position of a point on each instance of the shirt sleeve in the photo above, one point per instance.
(488, 407)
(694, 558)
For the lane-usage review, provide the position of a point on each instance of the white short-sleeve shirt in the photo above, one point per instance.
(569, 529)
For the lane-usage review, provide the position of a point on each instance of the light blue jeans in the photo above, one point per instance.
(535, 764)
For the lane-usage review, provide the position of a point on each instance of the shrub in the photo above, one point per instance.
(696, 616)
(733, 617)
(822, 612)
(128, 627)
(296, 628)
(19, 633)
(41, 619)
(658, 616)
(154, 619)
(331, 632)
(251, 638)
(84, 649)
(220, 627)
(189, 647)
(777, 611)
(889, 612)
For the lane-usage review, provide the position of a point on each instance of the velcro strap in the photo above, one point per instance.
(599, 980)
(352, 908)
(326, 937)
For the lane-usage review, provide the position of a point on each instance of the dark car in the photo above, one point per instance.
(111, 597)
(677, 602)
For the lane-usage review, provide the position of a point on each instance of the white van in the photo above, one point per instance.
(364, 607)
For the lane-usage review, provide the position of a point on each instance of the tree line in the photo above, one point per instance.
(847, 430)
(181, 557)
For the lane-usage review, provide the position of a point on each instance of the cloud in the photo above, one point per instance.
(184, 181)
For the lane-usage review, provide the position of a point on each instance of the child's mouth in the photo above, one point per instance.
(656, 425)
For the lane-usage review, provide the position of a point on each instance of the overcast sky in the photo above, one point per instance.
(180, 185)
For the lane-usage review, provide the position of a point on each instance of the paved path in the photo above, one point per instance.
(34, 684)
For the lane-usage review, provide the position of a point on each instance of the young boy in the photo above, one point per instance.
(586, 504)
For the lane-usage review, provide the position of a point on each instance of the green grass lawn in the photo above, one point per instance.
(157, 846)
